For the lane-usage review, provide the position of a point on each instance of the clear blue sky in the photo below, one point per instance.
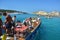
(30, 5)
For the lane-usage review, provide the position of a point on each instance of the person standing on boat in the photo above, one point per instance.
(0, 27)
(29, 23)
(25, 23)
(14, 20)
(8, 23)
(2, 31)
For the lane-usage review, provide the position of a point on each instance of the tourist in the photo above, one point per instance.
(25, 23)
(0, 27)
(14, 20)
(8, 23)
(28, 22)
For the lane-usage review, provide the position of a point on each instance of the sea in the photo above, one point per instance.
(49, 28)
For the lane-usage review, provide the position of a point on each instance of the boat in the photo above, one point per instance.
(26, 32)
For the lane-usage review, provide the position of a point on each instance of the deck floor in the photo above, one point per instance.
(35, 24)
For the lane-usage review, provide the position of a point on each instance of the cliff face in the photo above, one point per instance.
(41, 13)
(53, 13)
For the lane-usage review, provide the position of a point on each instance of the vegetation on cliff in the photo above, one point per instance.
(11, 11)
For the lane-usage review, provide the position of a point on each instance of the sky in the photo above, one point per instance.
(30, 5)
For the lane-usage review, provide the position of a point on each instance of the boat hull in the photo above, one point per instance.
(32, 35)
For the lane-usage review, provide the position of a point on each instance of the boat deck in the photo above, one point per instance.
(35, 25)
(28, 31)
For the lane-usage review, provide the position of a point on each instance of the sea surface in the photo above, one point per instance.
(49, 28)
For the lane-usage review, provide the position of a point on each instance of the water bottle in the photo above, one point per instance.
(15, 37)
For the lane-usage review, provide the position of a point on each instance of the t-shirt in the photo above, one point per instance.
(8, 25)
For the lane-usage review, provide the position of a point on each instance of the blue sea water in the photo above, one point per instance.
(49, 29)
